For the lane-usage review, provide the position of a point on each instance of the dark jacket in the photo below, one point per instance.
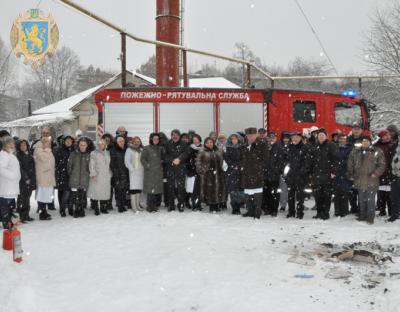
(341, 180)
(253, 164)
(151, 158)
(120, 173)
(191, 164)
(324, 158)
(78, 170)
(175, 150)
(298, 162)
(212, 177)
(273, 163)
(388, 149)
(61, 155)
(233, 158)
(27, 168)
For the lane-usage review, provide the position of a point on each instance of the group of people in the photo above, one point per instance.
(255, 169)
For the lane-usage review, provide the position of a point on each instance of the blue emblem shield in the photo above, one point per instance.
(35, 36)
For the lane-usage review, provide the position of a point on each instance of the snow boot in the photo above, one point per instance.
(43, 215)
(138, 205)
(103, 207)
(181, 207)
(94, 204)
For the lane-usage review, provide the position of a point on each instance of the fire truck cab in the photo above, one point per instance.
(146, 110)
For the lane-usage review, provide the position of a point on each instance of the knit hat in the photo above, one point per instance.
(393, 128)
(322, 130)
(383, 132)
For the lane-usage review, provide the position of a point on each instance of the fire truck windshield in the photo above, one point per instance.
(348, 114)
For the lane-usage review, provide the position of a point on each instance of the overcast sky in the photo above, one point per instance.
(275, 30)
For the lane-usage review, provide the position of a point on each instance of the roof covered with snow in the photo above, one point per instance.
(38, 120)
(212, 82)
(67, 104)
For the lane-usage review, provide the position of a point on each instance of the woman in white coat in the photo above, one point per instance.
(136, 171)
(100, 178)
(9, 181)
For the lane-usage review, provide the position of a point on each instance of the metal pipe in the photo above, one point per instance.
(157, 42)
(332, 77)
(210, 54)
(248, 79)
(123, 60)
(184, 65)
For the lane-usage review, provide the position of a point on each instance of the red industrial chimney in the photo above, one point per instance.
(167, 29)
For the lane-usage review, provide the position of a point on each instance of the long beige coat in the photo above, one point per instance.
(99, 166)
(45, 166)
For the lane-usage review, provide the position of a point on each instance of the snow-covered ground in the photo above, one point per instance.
(192, 261)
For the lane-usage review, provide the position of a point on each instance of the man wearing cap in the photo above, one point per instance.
(366, 164)
(386, 145)
(296, 174)
(354, 139)
(253, 166)
(324, 165)
(176, 154)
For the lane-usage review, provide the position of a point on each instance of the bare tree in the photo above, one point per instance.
(149, 67)
(54, 80)
(7, 69)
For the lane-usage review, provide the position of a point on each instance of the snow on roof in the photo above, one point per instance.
(209, 82)
(38, 120)
(145, 78)
(67, 104)
(212, 82)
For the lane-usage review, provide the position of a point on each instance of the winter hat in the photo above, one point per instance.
(393, 128)
(296, 133)
(262, 131)
(313, 129)
(250, 130)
(322, 130)
(383, 132)
(285, 134)
(356, 125)
(271, 134)
(365, 137)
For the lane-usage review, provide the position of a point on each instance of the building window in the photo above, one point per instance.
(304, 111)
(348, 114)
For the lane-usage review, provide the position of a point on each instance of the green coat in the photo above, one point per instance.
(78, 170)
(151, 159)
(364, 168)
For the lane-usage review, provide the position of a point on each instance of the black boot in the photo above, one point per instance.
(392, 218)
(103, 207)
(43, 215)
(62, 212)
(181, 207)
(235, 209)
(95, 207)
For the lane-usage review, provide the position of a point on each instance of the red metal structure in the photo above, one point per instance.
(144, 110)
(167, 30)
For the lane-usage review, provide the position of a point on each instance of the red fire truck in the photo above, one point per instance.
(146, 110)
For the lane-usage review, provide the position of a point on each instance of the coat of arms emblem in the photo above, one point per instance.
(34, 36)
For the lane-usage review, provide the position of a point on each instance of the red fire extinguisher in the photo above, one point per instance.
(12, 241)
(17, 245)
(7, 240)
